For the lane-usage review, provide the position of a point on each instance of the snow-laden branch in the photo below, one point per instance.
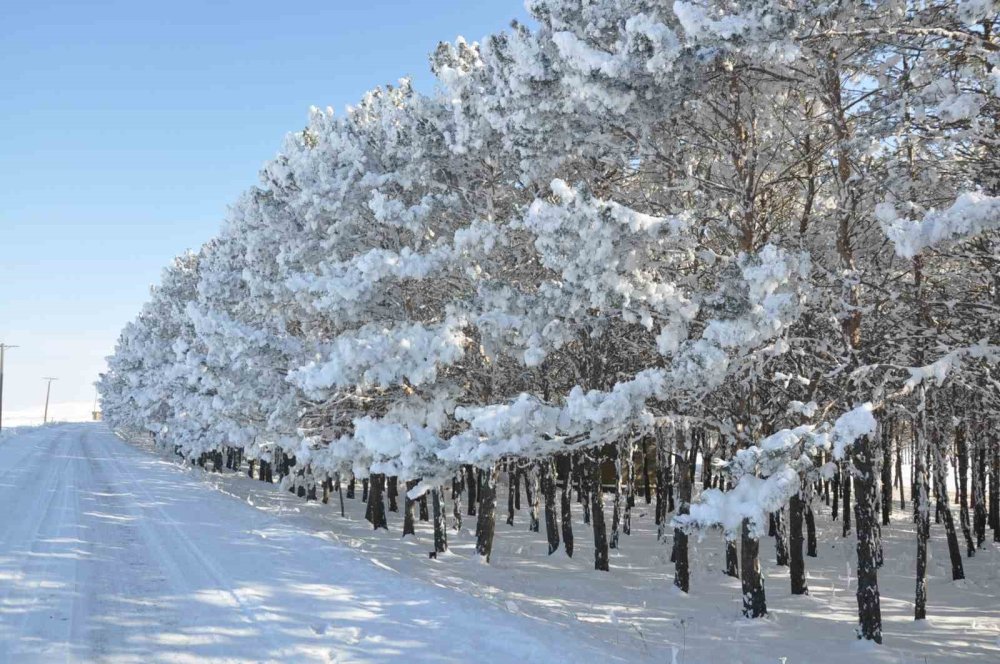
(970, 215)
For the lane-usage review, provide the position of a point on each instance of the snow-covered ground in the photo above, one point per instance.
(113, 553)
(110, 554)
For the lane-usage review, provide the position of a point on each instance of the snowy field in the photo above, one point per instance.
(114, 553)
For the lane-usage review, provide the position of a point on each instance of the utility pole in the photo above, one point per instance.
(3, 348)
(48, 391)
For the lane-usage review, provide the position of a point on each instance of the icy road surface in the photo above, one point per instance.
(111, 555)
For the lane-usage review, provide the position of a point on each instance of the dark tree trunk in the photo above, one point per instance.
(340, 495)
(979, 510)
(515, 481)
(597, 515)
(511, 492)
(531, 491)
(424, 512)
(994, 488)
(754, 600)
(954, 550)
(963, 489)
(350, 487)
(582, 471)
(549, 498)
(899, 472)
(732, 559)
(629, 489)
(797, 567)
(845, 508)
(375, 512)
(684, 459)
(408, 509)
(393, 493)
(471, 489)
(811, 544)
(645, 471)
(780, 540)
(616, 511)
(456, 495)
(486, 524)
(869, 603)
(565, 473)
(886, 502)
(835, 492)
(364, 489)
(921, 508)
(440, 529)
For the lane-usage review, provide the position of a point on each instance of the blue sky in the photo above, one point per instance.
(126, 128)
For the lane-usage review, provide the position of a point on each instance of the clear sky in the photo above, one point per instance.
(126, 128)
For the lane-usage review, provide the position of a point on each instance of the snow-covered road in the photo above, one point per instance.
(108, 554)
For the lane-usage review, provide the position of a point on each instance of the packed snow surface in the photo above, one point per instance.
(110, 554)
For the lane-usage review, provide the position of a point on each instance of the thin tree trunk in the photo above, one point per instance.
(645, 471)
(565, 473)
(616, 512)
(684, 458)
(531, 491)
(754, 599)
(471, 489)
(886, 503)
(845, 508)
(963, 489)
(597, 515)
(780, 539)
(921, 506)
(408, 504)
(486, 524)
(376, 507)
(797, 567)
(511, 491)
(440, 529)
(811, 543)
(456, 495)
(869, 602)
(548, 480)
(393, 493)
(944, 509)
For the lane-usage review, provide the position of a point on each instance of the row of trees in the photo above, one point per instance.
(642, 233)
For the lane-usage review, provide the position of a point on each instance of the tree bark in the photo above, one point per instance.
(393, 493)
(921, 506)
(408, 509)
(375, 512)
(565, 473)
(754, 600)
(511, 491)
(531, 492)
(963, 489)
(886, 502)
(549, 498)
(440, 529)
(597, 515)
(845, 508)
(684, 459)
(780, 540)
(471, 489)
(869, 602)
(486, 524)
(797, 567)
